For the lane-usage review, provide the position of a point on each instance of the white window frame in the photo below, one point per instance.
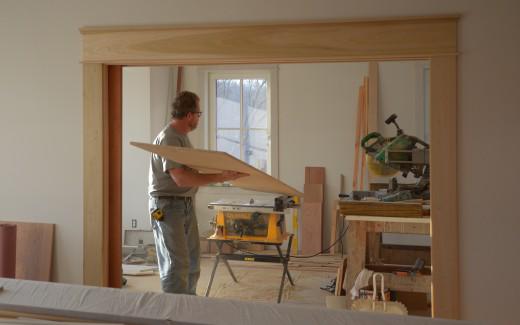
(270, 73)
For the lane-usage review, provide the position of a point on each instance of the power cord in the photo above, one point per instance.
(340, 239)
(326, 249)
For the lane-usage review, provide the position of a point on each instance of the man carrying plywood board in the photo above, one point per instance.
(172, 187)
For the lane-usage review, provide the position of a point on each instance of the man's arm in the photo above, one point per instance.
(186, 177)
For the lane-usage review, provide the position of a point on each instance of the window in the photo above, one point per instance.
(241, 106)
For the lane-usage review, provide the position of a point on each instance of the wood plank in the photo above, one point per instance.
(356, 251)
(313, 193)
(390, 220)
(390, 209)
(443, 188)
(373, 96)
(373, 106)
(114, 159)
(413, 37)
(357, 141)
(340, 277)
(334, 218)
(95, 227)
(219, 161)
(34, 250)
(314, 175)
(312, 224)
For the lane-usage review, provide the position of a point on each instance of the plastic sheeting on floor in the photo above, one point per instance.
(116, 305)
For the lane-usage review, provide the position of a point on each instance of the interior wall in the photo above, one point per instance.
(136, 127)
(42, 120)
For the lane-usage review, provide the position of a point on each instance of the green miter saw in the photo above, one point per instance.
(404, 153)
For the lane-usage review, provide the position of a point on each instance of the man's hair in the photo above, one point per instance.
(185, 102)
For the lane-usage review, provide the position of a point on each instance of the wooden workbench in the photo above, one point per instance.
(377, 217)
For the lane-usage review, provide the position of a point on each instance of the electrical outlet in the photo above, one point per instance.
(134, 223)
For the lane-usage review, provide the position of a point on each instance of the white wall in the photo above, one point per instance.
(136, 127)
(41, 118)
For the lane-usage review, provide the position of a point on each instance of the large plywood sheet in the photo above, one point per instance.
(215, 161)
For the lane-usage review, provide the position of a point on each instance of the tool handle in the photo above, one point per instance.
(374, 285)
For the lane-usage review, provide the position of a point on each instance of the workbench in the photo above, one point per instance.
(367, 217)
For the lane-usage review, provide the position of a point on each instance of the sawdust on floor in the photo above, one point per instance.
(258, 281)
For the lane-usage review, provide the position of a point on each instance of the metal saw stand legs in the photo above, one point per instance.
(253, 258)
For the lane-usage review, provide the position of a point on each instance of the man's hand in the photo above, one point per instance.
(229, 175)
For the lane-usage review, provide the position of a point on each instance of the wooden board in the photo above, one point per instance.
(323, 41)
(443, 187)
(34, 248)
(95, 169)
(216, 161)
(313, 193)
(312, 223)
(387, 209)
(314, 175)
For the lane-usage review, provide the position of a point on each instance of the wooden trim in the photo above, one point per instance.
(114, 160)
(443, 188)
(373, 97)
(95, 239)
(411, 38)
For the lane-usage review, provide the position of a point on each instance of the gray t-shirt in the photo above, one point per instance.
(160, 181)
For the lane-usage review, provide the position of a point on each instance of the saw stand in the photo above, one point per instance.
(253, 258)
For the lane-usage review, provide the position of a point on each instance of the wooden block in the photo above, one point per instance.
(34, 250)
(312, 223)
(313, 193)
(387, 209)
(314, 175)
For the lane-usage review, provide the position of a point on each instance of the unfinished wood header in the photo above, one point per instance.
(412, 38)
(216, 161)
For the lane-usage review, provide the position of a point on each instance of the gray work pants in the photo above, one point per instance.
(177, 244)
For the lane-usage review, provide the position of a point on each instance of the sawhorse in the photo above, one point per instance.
(253, 258)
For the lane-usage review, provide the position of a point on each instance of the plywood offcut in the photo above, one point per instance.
(34, 248)
(215, 161)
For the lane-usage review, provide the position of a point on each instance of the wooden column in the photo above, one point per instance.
(443, 187)
(95, 236)
(114, 162)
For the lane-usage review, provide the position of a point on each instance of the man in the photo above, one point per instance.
(172, 187)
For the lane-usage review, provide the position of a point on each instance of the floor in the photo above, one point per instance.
(259, 281)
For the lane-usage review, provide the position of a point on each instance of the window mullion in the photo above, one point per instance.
(242, 153)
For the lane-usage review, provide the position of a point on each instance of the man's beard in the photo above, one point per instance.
(193, 125)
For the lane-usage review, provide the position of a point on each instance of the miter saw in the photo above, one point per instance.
(402, 153)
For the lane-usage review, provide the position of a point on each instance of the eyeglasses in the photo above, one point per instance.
(199, 113)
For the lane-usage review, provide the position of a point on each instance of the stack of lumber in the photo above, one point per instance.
(312, 210)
